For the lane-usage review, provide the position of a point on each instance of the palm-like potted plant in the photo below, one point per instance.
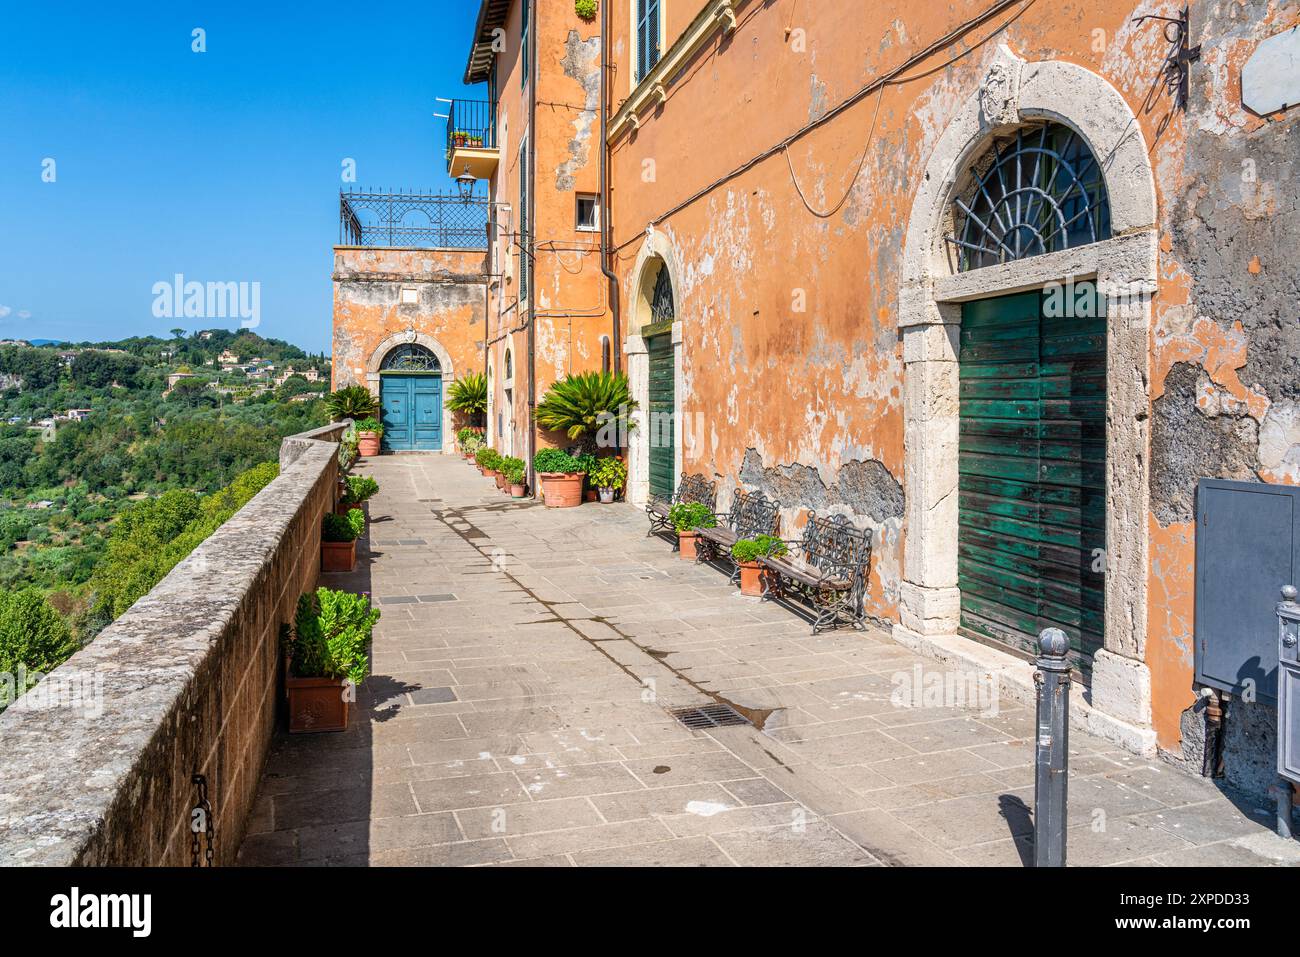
(352, 402)
(561, 475)
(369, 433)
(468, 396)
(608, 477)
(338, 540)
(591, 408)
(327, 658)
(746, 554)
(686, 517)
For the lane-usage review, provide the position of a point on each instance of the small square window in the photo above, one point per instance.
(588, 212)
(410, 296)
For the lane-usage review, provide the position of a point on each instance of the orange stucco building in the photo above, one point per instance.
(1001, 280)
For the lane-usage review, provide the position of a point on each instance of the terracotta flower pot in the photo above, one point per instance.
(342, 508)
(517, 491)
(338, 556)
(316, 704)
(562, 489)
(751, 579)
(589, 495)
(367, 444)
(500, 479)
(686, 546)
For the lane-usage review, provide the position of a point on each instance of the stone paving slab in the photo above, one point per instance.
(517, 715)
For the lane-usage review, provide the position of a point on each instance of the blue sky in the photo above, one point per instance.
(223, 166)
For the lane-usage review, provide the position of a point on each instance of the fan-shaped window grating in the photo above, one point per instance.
(662, 308)
(411, 358)
(1037, 191)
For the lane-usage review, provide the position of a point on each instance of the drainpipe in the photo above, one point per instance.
(615, 346)
(489, 268)
(533, 78)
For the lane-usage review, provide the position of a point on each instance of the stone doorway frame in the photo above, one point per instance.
(656, 249)
(1011, 93)
(409, 337)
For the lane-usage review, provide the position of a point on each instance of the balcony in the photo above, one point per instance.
(472, 138)
(400, 220)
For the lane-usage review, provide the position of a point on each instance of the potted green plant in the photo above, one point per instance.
(357, 490)
(516, 477)
(608, 477)
(338, 540)
(561, 476)
(369, 432)
(686, 517)
(585, 9)
(459, 137)
(327, 659)
(488, 460)
(746, 553)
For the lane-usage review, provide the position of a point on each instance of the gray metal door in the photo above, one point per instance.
(1247, 548)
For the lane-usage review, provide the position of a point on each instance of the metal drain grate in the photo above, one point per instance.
(709, 716)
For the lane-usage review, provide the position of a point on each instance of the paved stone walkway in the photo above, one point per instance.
(518, 714)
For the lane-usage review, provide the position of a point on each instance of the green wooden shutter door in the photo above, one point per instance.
(1031, 492)
(661, 425)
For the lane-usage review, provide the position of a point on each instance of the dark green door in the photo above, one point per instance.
(1032, 462)
(663, 434)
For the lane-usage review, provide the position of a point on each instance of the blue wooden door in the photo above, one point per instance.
(412, 407)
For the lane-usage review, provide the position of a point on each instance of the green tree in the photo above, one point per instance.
(32, 635)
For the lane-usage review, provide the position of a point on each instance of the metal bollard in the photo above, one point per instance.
(1052, 749)
(1288, 682)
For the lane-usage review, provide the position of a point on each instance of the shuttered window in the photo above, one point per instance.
(1032, 462)
(662, 425)
(647, 37)
(525, 223)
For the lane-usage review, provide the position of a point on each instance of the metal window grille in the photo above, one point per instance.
(662, 307)
(411, 357)
(1037, 191)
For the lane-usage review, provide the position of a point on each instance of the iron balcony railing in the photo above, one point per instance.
(414, 220)
(471, 123)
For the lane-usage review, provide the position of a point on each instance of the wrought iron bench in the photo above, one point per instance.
(751, 514)
(692, 488)
(826, 569)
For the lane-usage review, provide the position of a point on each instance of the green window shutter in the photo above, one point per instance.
(661, 425)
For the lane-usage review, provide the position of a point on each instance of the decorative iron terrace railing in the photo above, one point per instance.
(471, 123)
(412, 220)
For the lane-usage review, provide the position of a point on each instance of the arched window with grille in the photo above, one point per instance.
(1036, 190)
(411, 357)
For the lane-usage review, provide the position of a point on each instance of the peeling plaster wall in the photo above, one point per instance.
(1226, 342)
(368, 307)
(792, 366)
(569, 291)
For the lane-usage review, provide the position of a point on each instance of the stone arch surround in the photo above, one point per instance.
(657, 247)
(1014, 91)
(408, 337)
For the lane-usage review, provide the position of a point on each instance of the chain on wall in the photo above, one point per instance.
(201, 827)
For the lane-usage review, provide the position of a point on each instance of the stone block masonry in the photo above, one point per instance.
(189, 677)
